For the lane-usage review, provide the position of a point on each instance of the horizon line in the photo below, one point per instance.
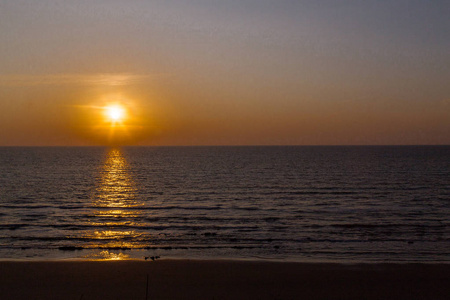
(255, 145)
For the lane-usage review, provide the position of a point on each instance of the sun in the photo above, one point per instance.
(115, 113)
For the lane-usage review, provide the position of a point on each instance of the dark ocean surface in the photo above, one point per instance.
(344, 204)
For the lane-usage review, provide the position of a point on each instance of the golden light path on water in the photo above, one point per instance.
(115, 194)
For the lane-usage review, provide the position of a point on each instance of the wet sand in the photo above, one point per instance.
(189, 279)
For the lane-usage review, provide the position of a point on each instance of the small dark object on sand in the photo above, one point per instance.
(153, 258)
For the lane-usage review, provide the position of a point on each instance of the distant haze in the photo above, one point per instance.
(249, 72)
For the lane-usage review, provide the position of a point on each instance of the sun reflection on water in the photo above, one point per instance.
(116, 202)
(107, 255)
(116, 189)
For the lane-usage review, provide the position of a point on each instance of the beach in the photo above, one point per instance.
(224, 150)
(220, 279)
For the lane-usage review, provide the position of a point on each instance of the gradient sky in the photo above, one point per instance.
(248, 72)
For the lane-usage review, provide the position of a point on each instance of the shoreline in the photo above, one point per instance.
(221, 279)
(123, 256)
(226, 259)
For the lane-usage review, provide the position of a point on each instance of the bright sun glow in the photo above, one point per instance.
(115, 112)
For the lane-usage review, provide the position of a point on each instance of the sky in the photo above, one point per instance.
(248, 72)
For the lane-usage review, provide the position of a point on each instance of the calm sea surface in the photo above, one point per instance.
(347, 204)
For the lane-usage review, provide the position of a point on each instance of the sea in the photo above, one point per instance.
(345, 204)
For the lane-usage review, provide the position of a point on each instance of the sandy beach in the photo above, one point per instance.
(190, 279)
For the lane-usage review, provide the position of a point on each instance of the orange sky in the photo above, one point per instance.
(250, 73)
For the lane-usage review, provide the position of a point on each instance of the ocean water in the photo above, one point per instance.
(344, 204)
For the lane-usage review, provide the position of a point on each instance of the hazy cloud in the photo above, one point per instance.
(99, 79)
